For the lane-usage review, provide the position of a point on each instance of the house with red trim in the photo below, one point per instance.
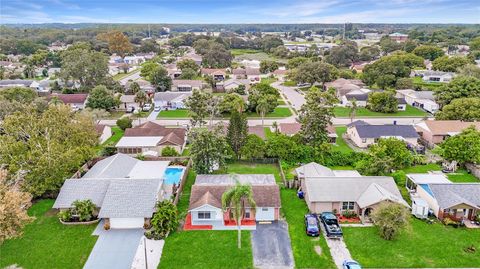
(205, 211)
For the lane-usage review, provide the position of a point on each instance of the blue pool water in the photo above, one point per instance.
(173, 175)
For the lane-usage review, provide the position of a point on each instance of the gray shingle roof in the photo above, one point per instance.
(229, 179)
(357, 97)
(448, 195)
(357, 122)
(130, 198)
(377, 131)
(81, 189)
(116, 166)
(334, 189)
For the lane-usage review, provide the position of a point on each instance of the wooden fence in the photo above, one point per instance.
(183, 182)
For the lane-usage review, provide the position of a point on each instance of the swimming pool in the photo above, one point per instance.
(173, 175)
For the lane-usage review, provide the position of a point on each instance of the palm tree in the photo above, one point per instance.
(235, 199)
(262, 108)
(141, 98)
(353, 110)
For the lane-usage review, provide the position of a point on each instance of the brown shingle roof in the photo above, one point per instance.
(257, 130)
(172, 136)
(75, 98)
(252, 71)
(264, 195)
(443, 127)
(289, 128)
(99, 128)
(213, 71)
(238, 71)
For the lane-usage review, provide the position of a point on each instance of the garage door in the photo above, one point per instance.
(265, 213)
(126, 223)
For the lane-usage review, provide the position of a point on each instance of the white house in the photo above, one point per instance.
(171, 100)
(186, 85)
(421, 99)
(205, 210)
(435, 76)
(104, 131)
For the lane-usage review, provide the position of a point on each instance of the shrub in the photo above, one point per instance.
(169, 152)
(106, 226)
(109, 151)
(349, 214)
(449, 222)
(164, 220)
(390, 218)
(124, 123)
(65, 215)
(83, 209)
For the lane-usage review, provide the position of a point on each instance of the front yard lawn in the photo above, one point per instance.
(206, 249)
(279, 112)
(268, 80)
(46, 243)
(303, 246)
(252, 168)
(422, 245)
(289, 83)
(410, 111)
(174, 114)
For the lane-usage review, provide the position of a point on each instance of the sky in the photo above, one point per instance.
(239, 11)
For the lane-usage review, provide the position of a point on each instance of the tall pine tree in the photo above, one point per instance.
(237, 132)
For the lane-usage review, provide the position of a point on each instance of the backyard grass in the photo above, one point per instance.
(410, 111)
(421, 245)
(178, 113)
(341, 145)
(252, 168)
(460, 176)
(418, 82)
(117, 135)
(237, 52)
(281, 102)
(46, 243)
(206, 249)
(303, 246)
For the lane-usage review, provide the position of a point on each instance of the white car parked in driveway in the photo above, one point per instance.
(157, 108)
(147, 107)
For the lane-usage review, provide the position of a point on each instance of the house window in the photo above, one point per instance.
(348, 206)
(247, 213)
(364, 140)
(264, 209)
(204, 215)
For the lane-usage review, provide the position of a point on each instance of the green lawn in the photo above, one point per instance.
(460, 176)
(289, 83)
(117, 135)
(237, 52)
(422, 245)
(178, 113)
(113, 115)
(281, 102)
(363, 112)
(303, 246)
(46, 243)
(418, 81)
(206, 249)
(268, 80)
(279, 112)
(341, 145)
(121, 75)
(251, 168)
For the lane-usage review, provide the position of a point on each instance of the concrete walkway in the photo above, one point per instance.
(338, 250)
(152, 249)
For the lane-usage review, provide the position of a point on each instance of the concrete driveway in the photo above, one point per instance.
(271, 246)
(114, 249)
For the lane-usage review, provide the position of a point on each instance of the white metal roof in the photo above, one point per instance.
(139, 141)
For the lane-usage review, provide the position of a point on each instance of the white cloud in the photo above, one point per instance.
(297, 9)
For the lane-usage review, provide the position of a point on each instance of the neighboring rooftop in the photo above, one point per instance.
(449, 195)
(387, 130)
(231, 179)
(446, 127)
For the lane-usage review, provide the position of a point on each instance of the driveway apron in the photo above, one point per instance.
(271, 246)
(114, 249)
